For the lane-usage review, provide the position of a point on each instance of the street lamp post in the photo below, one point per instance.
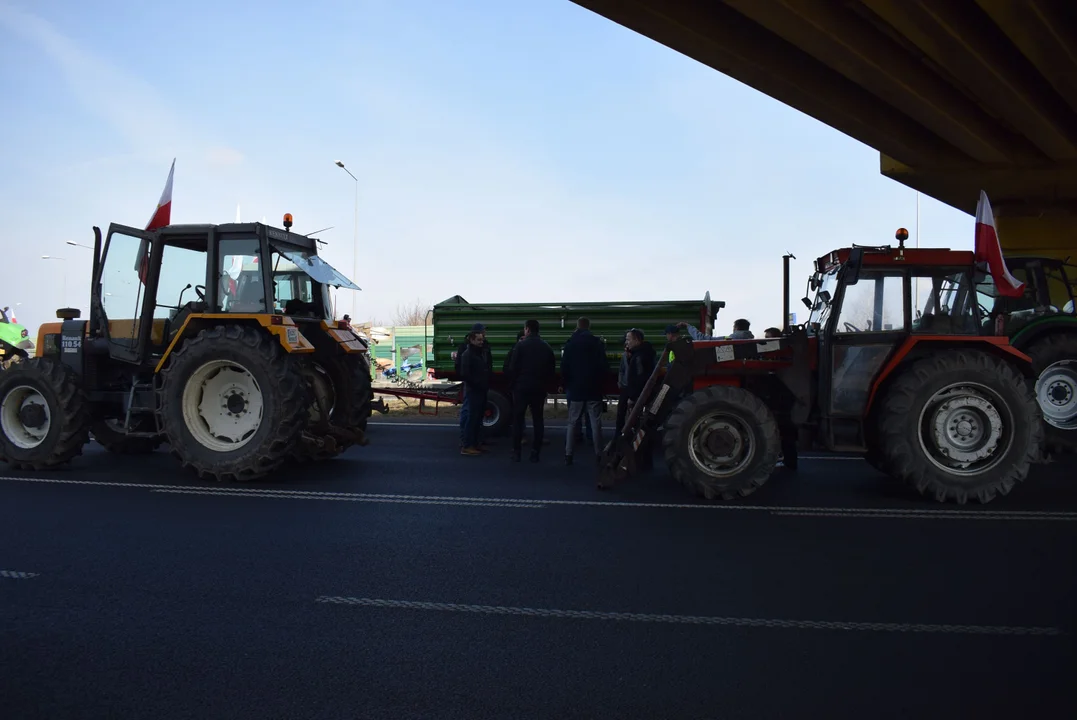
(355, 243)
(63, 260)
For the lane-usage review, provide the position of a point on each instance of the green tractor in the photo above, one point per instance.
(15, 342)
(1043, 324)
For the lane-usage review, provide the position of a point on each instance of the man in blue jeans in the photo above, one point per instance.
(475, 370)
(465, 406)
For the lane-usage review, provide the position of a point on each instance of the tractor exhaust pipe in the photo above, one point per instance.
(785, 291)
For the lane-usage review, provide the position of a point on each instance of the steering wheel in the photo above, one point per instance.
(849, 327)
(200, 291)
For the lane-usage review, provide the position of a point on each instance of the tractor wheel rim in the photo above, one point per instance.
(720, 445)
(22, 402)
(1056, 392)
(490, 414)
(965, 429)
(222, 405)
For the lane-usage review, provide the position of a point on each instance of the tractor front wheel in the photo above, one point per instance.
(43, 417)
(722, 442)
(232, 403)
(959, 424)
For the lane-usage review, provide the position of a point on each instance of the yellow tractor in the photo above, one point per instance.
(218, 340)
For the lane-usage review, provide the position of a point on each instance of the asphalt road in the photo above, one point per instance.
(405, 581)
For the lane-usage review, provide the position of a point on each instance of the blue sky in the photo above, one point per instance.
(507, 151)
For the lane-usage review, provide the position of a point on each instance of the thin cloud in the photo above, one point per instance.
(130, 105)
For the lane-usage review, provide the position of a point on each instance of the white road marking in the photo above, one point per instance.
(779, 623)
(786, 510)
(354, 498)
(16, 575)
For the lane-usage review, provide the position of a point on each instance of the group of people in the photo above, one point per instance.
(530, 368)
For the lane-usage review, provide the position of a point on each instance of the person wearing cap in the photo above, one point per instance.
(475, 369)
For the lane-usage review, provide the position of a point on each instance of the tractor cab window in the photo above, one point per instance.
(122, 287)
(824, 299)
(294, 292)
(240, 288)
(874, 304)
(945, 303)
(183, 272)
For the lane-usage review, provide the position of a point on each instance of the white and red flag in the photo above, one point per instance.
(162, 216)
(988, 250)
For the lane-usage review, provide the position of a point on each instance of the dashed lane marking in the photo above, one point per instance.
(16, 574)
(783, 510)
(778, 623)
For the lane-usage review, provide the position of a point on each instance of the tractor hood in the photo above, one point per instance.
(319, 270)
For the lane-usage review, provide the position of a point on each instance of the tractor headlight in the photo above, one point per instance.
(26, 344)
(52, 344)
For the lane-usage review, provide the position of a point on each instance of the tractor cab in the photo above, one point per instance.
(873, 306)
(149, 285)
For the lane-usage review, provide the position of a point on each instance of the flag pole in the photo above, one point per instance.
(917, 290)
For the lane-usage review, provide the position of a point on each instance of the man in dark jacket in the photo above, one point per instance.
(532, 371)
(475, 367)
(466, 406)
(641, 359)
(583, 370)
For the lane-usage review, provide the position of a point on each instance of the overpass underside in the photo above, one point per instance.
(957, 95)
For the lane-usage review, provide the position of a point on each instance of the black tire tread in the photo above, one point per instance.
(70, 410)
(355, 413)
(259, 347)
(901, 455)
(680, 423)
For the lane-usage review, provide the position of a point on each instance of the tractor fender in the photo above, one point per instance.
(281, 326)
(995, 345)
(1037, 329)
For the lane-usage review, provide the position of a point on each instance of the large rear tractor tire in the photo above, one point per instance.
(346, 381)
(1054, 359)
(110, 435)
(232, 403)
(960, 425)
(722, 442)
(44, 421)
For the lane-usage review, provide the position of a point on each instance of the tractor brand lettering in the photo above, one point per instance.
(277, 234)
(71, 343)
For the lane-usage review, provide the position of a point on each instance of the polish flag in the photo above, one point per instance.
(988, 250)
(161, 218)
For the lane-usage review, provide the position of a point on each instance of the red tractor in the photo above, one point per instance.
(934, 396)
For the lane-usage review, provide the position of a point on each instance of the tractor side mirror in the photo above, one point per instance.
(807, 302)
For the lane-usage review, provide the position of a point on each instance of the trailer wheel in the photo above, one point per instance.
(1054, 358)
(43, 417)
(722, 442)
(960, 424)
(232, 403)
(497, 416)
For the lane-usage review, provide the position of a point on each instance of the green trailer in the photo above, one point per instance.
(610, 321)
